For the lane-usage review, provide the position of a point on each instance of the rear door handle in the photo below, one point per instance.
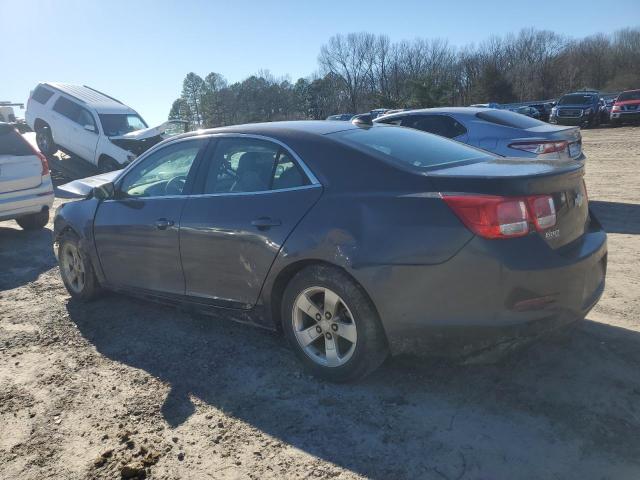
(163, 223)
(264, 223)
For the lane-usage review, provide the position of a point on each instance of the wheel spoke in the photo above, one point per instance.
(308, 307)
(331, 300)
(347, 331)
(308, 335)
(331, 351)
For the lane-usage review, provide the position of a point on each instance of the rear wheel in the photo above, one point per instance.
(332, 325)
(44, 140)
(76, 269)
(34, 221)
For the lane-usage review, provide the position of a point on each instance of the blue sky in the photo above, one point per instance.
(140, 51)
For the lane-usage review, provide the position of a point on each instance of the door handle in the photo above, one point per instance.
(264, 223)
(163, 223)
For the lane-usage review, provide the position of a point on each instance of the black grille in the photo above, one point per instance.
(569, 112)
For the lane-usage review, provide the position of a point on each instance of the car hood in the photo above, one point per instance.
(575, 105)
(83, 186)
(143, 133)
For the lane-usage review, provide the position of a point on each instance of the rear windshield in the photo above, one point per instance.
(408, 147)
(41, 94)
(12, 143)
(576, 99)
(625, 96)
(509, 119)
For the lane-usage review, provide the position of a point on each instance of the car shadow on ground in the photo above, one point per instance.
(617, 217)
(565, 401)
(14, 269)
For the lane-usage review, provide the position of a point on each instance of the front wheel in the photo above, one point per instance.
(45, 142)
(76, 269)
(108, 164)
(332, 325)
(34, 221)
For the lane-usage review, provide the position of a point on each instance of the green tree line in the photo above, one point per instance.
(361, 71)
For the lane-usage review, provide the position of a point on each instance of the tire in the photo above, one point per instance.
(76, 269)
(34, 221)
(327, 354)
(44, 140)
(108, 164)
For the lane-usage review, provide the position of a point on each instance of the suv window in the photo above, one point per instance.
(509, 119)
(74, 112)
(408, 147)
(163, 172)
(12, 143)
(442, 125)
(41, 94)
(577, 99)
(251, 165)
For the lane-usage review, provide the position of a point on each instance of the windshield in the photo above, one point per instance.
(509, 119)
(576, 99)
(408, 147)
(121, 123)
(625, 96)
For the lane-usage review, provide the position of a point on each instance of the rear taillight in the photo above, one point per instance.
(45, 164)
(616, 108)
(503, 217)
(540, 147)
(42, 158)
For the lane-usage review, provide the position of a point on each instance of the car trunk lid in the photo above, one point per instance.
(20, 167)
(563, 181)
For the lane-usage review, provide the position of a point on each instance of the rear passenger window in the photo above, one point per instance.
(67, 108)
(12, 143)
(251, 165)
(41, 95)
(442, 125)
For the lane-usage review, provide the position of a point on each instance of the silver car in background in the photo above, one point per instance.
(499, 131)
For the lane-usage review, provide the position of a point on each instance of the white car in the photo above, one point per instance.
(91, 125)
(26, 191)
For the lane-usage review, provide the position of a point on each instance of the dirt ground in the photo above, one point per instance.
(120, 387)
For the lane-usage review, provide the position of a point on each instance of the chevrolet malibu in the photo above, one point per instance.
(357, 240)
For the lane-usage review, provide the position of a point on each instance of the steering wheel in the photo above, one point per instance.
(175, 185)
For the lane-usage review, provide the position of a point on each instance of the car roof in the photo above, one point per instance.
(290, 127)
(457, 110)
(100, 102)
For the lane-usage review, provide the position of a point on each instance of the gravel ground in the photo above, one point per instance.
(123, 388)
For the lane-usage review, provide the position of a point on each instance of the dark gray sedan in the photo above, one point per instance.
(356, 240)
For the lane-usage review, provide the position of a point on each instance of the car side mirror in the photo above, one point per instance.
(90, 128)
(104, 191)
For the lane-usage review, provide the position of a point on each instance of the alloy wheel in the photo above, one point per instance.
(324, 326)
(72, 267)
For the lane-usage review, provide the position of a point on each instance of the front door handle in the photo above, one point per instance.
(264, 223)
(163, 223)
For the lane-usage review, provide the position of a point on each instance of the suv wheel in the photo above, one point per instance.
(108, 164)
(332, 325)
(76, 269)
(34, 221)
(45, 142)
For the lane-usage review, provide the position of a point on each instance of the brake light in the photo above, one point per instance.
(45, 164)
(492, 216)
(543, 211)
(541, 147)
(42, 158)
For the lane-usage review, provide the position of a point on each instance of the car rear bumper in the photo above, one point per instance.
(490, 291)
(25, 202)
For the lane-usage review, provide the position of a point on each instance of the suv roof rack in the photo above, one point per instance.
(104, 94)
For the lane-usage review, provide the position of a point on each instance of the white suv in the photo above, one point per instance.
(26, 191)
(89, 124)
